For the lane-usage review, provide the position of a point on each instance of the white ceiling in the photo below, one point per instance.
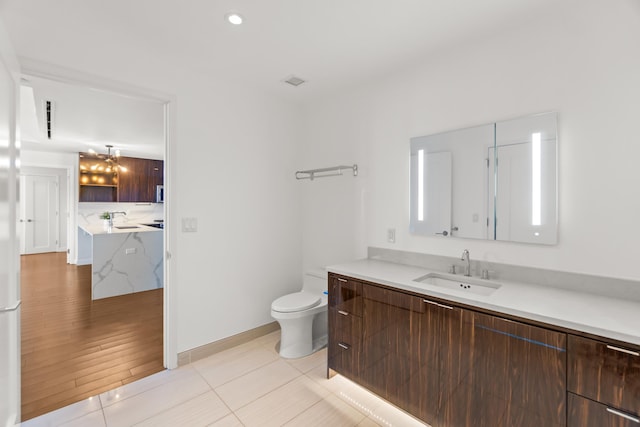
(85, 118)
(332, 44)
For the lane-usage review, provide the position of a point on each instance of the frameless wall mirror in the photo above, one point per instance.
(496, 181)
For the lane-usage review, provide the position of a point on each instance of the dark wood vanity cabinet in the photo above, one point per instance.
(604, 384)
(449, 366)
(400, 349)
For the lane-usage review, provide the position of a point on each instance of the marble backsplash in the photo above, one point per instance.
(604, 286)
(137, 213)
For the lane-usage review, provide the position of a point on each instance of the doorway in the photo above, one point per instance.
(82, 315)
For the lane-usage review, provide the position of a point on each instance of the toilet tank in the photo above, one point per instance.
(315, 281)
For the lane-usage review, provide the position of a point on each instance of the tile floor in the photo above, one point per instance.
(248, 385)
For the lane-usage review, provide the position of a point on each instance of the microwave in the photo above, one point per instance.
(159, 193)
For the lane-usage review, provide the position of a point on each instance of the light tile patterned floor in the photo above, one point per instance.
(248, 385)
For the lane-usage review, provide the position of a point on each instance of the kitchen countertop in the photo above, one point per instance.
(607, 316)
(97, 229)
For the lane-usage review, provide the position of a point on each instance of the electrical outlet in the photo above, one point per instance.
(391, 235)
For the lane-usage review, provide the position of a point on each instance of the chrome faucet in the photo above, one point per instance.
(467, 268)
(112, 214)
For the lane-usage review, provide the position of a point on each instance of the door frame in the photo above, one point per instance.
(73, 77)
(10, 360)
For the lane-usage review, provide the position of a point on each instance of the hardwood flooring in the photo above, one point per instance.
(74, 348)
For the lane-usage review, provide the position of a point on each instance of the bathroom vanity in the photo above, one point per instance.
(124, 258)
(515, 355)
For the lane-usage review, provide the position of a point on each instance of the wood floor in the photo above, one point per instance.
(74, 348)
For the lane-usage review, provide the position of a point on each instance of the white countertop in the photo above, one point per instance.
(97, 229)
(610, 317)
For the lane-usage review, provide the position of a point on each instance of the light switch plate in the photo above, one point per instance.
(189, 225)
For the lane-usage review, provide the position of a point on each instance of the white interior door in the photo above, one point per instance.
(9, 246)
(39, 213)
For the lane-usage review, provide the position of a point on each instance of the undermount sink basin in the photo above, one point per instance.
(460, 283)
(125, 227)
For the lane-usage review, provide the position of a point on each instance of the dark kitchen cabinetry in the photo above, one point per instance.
(452, 366)
(604, 383)
(139, 183)
(96, 184)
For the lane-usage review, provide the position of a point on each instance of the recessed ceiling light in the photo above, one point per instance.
(234, 18)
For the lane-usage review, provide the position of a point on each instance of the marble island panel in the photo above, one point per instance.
(123, 261)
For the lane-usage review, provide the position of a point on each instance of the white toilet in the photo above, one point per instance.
(303, 317)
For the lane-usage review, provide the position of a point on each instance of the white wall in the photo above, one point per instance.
(235, 174)
(582, 61)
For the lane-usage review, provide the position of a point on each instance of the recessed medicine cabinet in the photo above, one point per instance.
(496, 181)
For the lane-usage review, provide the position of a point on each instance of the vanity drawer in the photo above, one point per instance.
(345, 294)
(345, 327)
(587, 413)
(608, 374)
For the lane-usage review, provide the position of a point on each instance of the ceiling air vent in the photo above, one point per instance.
(294, 81)
(48, 117)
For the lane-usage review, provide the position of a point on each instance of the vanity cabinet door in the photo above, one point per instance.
(516, 375)
(431, 350)
(399, 348)
(584, 412)
(455, 352)
(606, 373)
(377, 370)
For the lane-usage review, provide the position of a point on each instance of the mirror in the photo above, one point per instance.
(496, 181)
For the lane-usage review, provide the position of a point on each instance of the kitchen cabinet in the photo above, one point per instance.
(95, 185)
(345, 326)
(138, 183)
(604, 383)
(452, 366)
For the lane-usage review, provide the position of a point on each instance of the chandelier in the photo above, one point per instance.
(106, 163)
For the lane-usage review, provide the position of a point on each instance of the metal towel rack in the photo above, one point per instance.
(313, 173)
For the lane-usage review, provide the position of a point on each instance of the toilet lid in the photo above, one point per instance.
(295, 302)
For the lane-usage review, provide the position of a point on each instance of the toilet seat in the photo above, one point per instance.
(297, 301)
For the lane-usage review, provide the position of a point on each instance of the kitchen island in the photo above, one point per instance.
(124, 258)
